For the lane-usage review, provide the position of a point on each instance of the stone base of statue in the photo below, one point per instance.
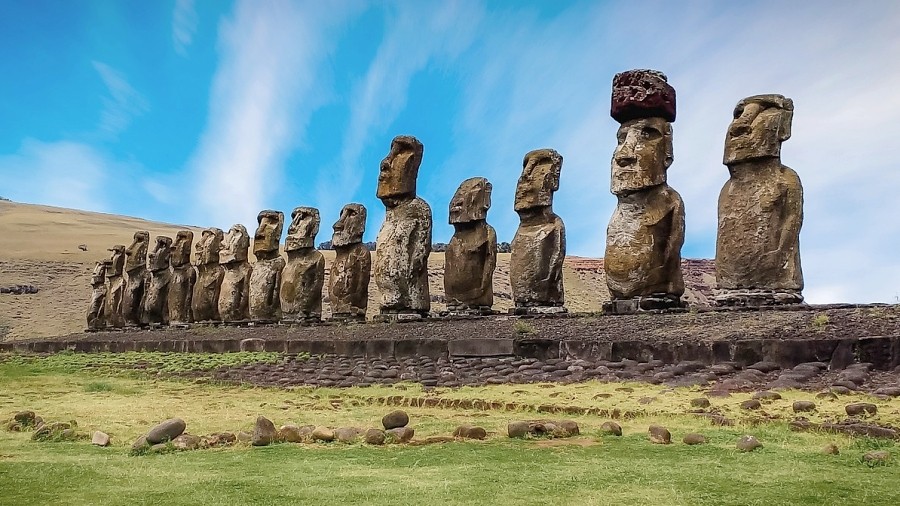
(262, 322)
(660, 302)
(757, 298)
(237, 323)
(301, 319)
(207, 323)
(398, 316)
(348, 317)
(180, 325)
(537, 310)
(466, 311)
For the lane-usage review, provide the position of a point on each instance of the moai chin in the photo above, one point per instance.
(95, 315)
(471, 256)
(265, 278)
(304, 272)
(348, 284)
(156, 307)
(205, 299)
(234, 294)
(181, 287)
(115, 287)
(646, 231)
(760, 209)
(136, 278)
(404, 241)
(539, 246)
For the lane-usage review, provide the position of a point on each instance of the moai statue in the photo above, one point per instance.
(181, 288)
(234, 295)
(539, 246)
(304, 272)
(95, 313)
(404, 241)
(205, 299)
(265, 280)
(471, 256)
(136, 278)
(348, 285)
(646, 231)
(760, 209)
(156, 306)
(115, 287)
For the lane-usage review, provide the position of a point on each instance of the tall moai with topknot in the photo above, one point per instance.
(234, 295)
(471, 256)
(303, 276)
(156, 298)
(348, 283)
(646, 231)
(205, 299)
(760, 209)
(404, 241)
(115, 287)
(181, 287)
(135, 278)
(265, 279)
(539, 246)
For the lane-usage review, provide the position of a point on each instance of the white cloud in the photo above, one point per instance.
(184, 25)
(123, 104)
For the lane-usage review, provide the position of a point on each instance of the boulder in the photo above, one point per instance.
(140, 444)
(470, 432)
(395, 419)
(100, 438)
(323, 434)
(748, 443)
(25, 418)
(831, 449)
(347, 434)
(861, 409)
(766, 395)
(751, 404)
(700, 402)
(166, 431)
(611, 428)
(221, 439)
(659, 435)
(804, 406)
(374, 437)
(877, 457)
(186, 442)
(517, 429)
(289, 433)
(694, 439)
(566, 428)
(244, 436)
(263, 432)
(401, 434)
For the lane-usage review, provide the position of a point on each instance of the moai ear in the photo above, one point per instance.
(670, 155)
(787, 117)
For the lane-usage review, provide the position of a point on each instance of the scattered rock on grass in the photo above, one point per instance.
(877, 457)
(289, 433)
(347, 434)
(694, 439)
(751, 404)
(517, 429)
(166, 431)
(395, 419)
(323, 434)
(831, 449)
(374, 437)
(140, 444)
(861, 409)
(100, 438)
(748, 443)
(220, 439)
(827, 395)
(766, 395)
(186, 442)
(803, 406)
(611, 428)
(263, 432)
(700, 402)
(401, 434)
(56, 431)
(470, 432)
(659, 435)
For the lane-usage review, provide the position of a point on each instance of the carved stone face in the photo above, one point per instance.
(136, 254)
(159, 257)
(116, 260)
(349, 228)
(208, 246)
(643, 154)
(761, 123)
(268, 233)
(471, 201)
(98, 276)
(539, 179)
(181, 249)
(234, 245)
(400, 168)
(303, 229)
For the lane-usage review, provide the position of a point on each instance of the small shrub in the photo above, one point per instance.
(99, 386)
(523, 328)
(819, 322)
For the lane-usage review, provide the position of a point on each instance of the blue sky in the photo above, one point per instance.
(205, 112)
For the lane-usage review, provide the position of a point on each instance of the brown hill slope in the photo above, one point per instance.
(39, 245)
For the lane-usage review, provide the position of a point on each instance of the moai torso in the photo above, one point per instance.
(115, 288)
(348, 286)
(95, 313)
(136, 278)
(539, 246)
(205, 299)
(304, 272)
(265, 279)
(156, 308)
(181, 286)
(234, 294)
(761, 205)
(471, 256)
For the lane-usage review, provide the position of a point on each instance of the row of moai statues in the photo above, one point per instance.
(757, 249)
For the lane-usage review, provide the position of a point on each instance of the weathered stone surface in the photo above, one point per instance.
(646, 231)
(234, 294)
(395, 419)
(760, 208)
(693, 439)
(136, 280)
(566, 428)
(99, 438)
(323, 434)
(659, 435)
(803, 406)
(220, 439)
(264, 432)
(748, 443)
(140, 444)
(539, 246)
(404, 241)
(766, 395)
(166, 431)
(289, 433)
(115, 288)
(186, 442)
(156, 296)
(96, 319)
(348, 284)
(611, 428)
(347, 434)
(471, 256)
(304, 272)
(401, 434)
(181, 286)
(517, 429)
(861, 409)
(374, 437)
(205, 299)
(700, 402)
(470, 432)
(265, 278)
(751, 404)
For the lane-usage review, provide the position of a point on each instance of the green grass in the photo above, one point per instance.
(590, 469)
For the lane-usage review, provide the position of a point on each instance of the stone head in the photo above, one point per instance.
(642, 156)
(136, 254)
(303, 229)
(116, 260)
(400, 168)
(235, 245)
(349, 228)
(181, 248)
(761, 123)
(471, 201)
(98, 276)
(539, 179)
(208, 246)
(268, 233)
(159, 256)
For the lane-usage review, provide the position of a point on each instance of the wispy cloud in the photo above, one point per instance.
(184, 25)
(122, 105)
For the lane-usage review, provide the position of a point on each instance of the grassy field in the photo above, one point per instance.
(587, 469)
